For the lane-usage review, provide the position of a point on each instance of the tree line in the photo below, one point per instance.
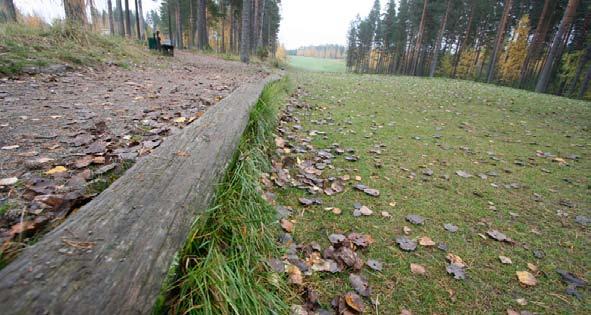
(228, 26)
(222, 25)
(320, 51)
(541, 45)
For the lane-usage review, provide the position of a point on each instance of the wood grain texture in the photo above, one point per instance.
(135, 226)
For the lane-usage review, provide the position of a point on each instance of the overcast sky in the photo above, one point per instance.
(305, 22)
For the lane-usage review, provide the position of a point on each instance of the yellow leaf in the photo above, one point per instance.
(180, 120)
(426, 241)
(56, 170)
(526, 278)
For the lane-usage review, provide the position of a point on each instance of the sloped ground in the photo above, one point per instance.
(64, 136)
(408, 195)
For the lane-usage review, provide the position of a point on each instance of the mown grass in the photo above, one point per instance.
(317, 64)
(221, 269)
(24, 46)
(470, 120)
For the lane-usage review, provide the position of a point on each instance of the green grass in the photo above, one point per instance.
(370, 110)
(23, 46)
(317, 64)
(221, 268)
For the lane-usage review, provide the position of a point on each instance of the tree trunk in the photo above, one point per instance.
(245, 38)
(192, 25)
(75, 11)
(127, 19)
(202, 40)
(120, 15)
(179, 24)
(110, 11)
(533, 52)
(584, 59)
(419, 42)
(498, 41)
(259, 33)
(438, 41)
(169, 9)
(137, 21)
(585, 84)
(464, 42)
(554, 55)
(142, 22)
(7, 11)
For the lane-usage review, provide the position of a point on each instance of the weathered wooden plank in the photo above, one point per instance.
(134, 227)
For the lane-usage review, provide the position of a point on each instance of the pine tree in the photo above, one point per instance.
(554, 53)
(499, 40)
(438, 40)
(75, 11)
(202, 35)
(245, 38)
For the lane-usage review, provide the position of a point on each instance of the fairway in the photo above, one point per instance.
(500, 177)
(317, 64)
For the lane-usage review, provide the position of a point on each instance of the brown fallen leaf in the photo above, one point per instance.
(386, 214)
(360, 284)
(417, 269)
(526, 278)
(405, 312)
(426, 241)
(355, 302)
(456, 260)
(406, 230)
(512, 312)
(295, 275)
(286, 225)
(532, 267)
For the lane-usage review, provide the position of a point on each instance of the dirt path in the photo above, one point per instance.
(65, 135)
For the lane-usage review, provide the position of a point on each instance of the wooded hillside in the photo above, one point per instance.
(542, 45)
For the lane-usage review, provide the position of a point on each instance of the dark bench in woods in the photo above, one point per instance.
(167, 49)
(113, 254)
(154, 43)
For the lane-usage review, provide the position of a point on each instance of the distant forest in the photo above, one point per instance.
(541, 45)
(322, 51)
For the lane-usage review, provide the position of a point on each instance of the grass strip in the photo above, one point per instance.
(220, 269)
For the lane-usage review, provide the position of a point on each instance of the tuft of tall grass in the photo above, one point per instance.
(24, 46)
(221, 269)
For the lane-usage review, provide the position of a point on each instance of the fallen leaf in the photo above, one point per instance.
(10, 147)
(365, 211)
(415, 219)
(286, 225)
(526, 278)
(9, 181)
(457, 271)
(355, 302)
(463, 174)
(180, 120)
(532, 267)
(505, 260)
(360, 284)
(417, 269)
(295, 275)
(450, 227)
(512, 312)
(494, 234)
(375, 265)
(455, 259)
(386, 214)
(337, 211)
(521, 301)
(336, 238)
(405, 312)
(56, 170)
(406, 244)
(406, 230)
(426, 241)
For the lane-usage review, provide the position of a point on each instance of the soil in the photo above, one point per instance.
(65, 136)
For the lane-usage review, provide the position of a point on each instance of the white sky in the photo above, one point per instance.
(305, 22)
(52, 9)
(317, 22)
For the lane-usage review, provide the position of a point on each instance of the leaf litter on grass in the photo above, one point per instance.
(318, 173)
